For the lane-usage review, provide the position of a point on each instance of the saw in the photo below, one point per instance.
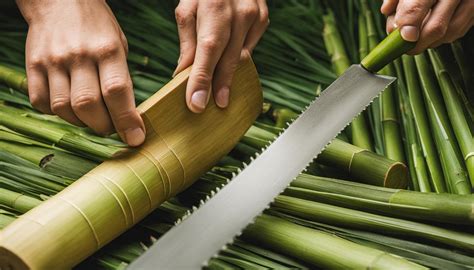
(200, 236)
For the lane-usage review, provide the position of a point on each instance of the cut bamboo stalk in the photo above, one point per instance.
(179, 147)
(364, 166)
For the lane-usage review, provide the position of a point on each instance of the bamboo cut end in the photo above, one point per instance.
(10, 261)
(396, 176)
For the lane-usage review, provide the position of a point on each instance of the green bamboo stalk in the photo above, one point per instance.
(391, 133)
(50, 160)
(5, 220)
(17, 201)
(423, 130)
(448, 151)
(456, 115)
(361, 164)
(375, 113)
(444, 207)
(360, 135)
(13, 79)
(318, 248)
(415, 160)
(350, 218)
(51, 133)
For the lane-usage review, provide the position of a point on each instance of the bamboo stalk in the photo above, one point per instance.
(361, 164)
(364, 166)
(175, 154)
(13, 79)
(449, 153)
(444, 207)
(456, 115)
(416, 162)
(360, 135)
(318, 248)
(19, 202)
(349, 218)
(423, 130)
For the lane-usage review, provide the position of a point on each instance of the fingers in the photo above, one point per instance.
(388, 7)
(436, 24)
(86, 98)
(461, 21)
(38, 89)
(60, 95)
(245, 15)
(258, 28)
(117, 92)
(214, 24)
(185, 15)
(410, 15)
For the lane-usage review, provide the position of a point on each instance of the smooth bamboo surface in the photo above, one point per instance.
(179, 147)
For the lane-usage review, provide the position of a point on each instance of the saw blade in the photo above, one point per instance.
(199, 237)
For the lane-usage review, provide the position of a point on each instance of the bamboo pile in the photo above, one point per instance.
(350, 208)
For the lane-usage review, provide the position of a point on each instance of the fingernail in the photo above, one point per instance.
(199, 99)
(177, 66)
(410, 33)
(135, 136)
(222, 97)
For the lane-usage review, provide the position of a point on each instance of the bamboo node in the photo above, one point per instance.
(470, 154)
(141, 181)
(96, 237)
(132, 214)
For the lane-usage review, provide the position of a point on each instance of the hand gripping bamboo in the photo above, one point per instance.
(179, 147)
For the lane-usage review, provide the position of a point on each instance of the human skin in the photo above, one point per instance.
(429, 22)
(76, 58)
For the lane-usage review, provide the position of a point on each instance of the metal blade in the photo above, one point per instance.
(200, 236)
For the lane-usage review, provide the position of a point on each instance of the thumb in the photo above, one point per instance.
(410, 15)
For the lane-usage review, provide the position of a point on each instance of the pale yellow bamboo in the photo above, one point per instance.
(180, 146)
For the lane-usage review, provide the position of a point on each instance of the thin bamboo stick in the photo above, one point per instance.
(448, 151)
(117, 194)
(423, 131)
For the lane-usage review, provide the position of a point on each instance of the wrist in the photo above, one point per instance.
(38, 10)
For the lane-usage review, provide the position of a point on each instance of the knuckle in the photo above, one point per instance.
(85, 101)
(59, 105)
(438, 28)
(264, 17)
(248, 12)
(35, 61)
(183, 17)
(209, 43)
(202, 77)
(116, 86)
(123, 119)
(58, 58)
(37, 100)
(415, 8)
(78, 52)
(107, 49)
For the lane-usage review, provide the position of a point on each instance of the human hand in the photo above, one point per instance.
(213, 35)
(77, 69)
(429, 22)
